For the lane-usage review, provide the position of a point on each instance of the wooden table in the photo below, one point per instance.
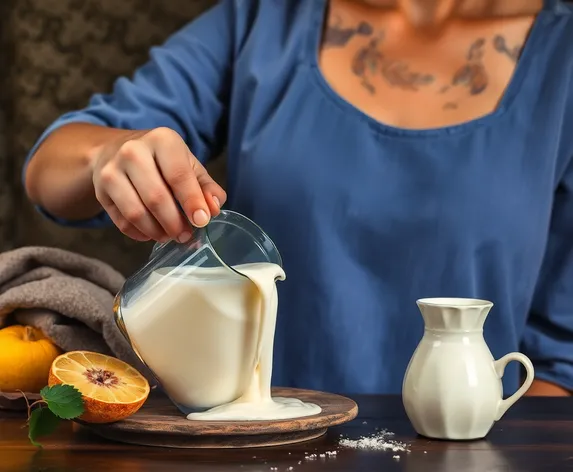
(535, 435)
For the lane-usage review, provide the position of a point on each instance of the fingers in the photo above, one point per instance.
(178, 168)
(142, 171)
(179, 175)
(124, 226)
(212, 191)
(118, 190)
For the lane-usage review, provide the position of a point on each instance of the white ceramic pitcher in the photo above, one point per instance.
(452, 388)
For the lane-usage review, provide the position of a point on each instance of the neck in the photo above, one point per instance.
(433, 14)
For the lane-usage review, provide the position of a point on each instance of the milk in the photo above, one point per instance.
(209, 336)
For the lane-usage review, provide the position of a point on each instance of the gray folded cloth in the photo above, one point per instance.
(66, 295)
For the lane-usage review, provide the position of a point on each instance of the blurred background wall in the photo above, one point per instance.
(53, 55)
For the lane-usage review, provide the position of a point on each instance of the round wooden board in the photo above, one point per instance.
(160, 423)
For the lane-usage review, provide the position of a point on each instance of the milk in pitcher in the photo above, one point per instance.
(210, 338)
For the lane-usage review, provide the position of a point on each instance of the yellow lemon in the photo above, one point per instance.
(26, 356)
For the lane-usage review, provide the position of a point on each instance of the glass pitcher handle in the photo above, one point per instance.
(155, 248)
(500, 365)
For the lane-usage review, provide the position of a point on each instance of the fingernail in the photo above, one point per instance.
(184, 237)
(217, 202)
(200, 218)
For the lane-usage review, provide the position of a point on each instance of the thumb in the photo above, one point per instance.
(214, 194)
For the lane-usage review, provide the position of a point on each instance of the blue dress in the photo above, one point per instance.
(370, 217)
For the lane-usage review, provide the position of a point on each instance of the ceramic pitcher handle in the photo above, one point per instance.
(500, 365)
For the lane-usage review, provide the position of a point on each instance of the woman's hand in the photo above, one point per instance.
(140, 178)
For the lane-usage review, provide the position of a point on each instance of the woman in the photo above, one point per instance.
(393, 150)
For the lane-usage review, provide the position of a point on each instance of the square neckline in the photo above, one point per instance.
(318, 20)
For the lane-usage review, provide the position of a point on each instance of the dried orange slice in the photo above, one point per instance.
(111, 389)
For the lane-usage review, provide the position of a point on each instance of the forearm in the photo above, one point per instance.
(59, 175)
(541, 388)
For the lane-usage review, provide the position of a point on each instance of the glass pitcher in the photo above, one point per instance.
(186, 297)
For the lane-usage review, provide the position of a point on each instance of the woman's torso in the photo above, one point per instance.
(369, 211)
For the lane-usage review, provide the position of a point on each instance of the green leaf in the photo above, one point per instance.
(42, 422)
(64, 401)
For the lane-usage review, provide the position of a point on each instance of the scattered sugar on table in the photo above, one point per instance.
(379, 441)
(325, 455)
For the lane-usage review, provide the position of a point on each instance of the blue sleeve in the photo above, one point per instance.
(548, 338)
(184, 86)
